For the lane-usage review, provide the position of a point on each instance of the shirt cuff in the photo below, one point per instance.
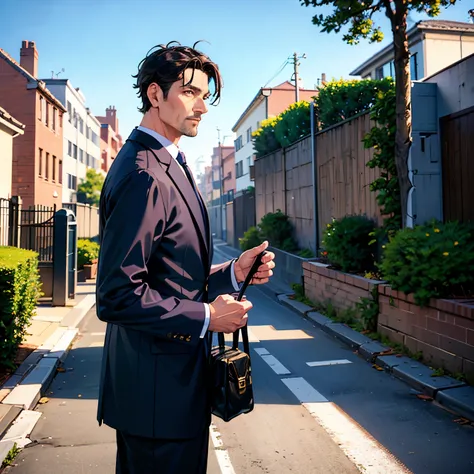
(207, 320)
(232, 275)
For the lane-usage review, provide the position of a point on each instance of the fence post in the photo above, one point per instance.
(14, 221)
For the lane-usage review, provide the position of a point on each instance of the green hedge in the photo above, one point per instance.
(340, 100)
(347, 242)
(87, 252)
(20, 288)
(435, 260)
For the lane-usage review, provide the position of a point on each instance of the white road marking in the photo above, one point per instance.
(359, 446)
(96, 344)
(303, 391)
(321, 363)
(222, 455)
(272, 361)
(98, 334)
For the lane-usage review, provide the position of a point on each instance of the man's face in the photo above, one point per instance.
(181, 111)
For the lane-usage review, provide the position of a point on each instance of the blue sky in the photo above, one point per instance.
(99, 43)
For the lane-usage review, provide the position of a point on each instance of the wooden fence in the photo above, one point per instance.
(343, 175)
(284, 179)
(457, 139)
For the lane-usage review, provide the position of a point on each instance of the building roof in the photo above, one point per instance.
(33, 82)
(425, 25)
(15, 124)
(284, 86)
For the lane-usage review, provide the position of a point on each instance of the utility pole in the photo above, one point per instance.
(295, 74)
(221, 200)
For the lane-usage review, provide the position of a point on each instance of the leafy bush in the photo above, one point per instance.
(264, 139)
(20, 289)
(294, 123)
(87, 252)
(348, 243)
(431, 261)
(277, 229)
(382, 139)
(340, 100)
(250, 239)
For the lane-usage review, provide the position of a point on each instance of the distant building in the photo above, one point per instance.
(269, 102)
(111, 140)
(434, 45)
(81, 141)
(9, 129)
(37, 169)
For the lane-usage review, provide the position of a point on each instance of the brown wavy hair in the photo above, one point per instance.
(165, 64)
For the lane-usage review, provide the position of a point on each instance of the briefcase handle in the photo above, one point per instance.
(243, 288)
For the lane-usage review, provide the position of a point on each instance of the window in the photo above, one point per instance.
(71, 182)
(43, 109)
(74, 114)
(69, 148)
(88, 132)
(238, 143)
(60, 172)
(258, 124)
(55, 111)
(239, 169)
(249, 135)
(47, 114)
(54, 168)
(81, 155)
(74, 150)
(414, 66)
(249, 162)
(46, 166)
(40, 162)
(95, 139)
(379, 73)
(81, 126)
(69, 111)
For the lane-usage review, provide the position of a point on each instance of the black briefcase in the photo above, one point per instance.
(231, 370)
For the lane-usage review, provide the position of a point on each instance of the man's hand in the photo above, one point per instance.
(228, 314)
(244, 264)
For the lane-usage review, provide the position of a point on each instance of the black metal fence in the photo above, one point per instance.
(30, 229)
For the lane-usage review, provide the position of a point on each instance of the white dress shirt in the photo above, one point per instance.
(173, 150)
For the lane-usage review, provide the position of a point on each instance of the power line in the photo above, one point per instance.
(285, 63)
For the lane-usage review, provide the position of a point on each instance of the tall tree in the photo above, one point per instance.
(357, 14)
(89, 189)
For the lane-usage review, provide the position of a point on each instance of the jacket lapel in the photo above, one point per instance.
(182, 183)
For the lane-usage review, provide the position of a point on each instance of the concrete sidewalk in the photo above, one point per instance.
(51, 332)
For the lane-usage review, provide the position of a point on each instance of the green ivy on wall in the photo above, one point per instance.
(382, 139)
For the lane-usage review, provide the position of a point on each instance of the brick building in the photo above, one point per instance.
(38, 154)
(110, 138)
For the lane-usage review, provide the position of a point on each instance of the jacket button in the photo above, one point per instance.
(188, 338)
(181, 338)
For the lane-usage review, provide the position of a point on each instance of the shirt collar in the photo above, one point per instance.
(171, 148)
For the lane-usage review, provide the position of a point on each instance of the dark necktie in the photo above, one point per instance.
(181, 159)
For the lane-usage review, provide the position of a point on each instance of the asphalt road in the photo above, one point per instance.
(337, 415)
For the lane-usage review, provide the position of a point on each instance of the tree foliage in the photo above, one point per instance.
(357, 16)
(89, 190)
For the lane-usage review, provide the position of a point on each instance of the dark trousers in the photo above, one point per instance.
(137, 455)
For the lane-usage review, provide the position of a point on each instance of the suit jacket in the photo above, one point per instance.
(153, 277)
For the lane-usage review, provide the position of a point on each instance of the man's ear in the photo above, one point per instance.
(155, 94)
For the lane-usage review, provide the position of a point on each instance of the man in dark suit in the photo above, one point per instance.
(155, 279)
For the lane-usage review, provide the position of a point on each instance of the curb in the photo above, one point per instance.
(32, 379)
(447, 391)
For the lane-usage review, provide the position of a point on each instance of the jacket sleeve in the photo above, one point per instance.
(133, 225)
(222, 280)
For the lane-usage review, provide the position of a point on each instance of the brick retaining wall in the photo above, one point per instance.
(343, 290)
(443, 331)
